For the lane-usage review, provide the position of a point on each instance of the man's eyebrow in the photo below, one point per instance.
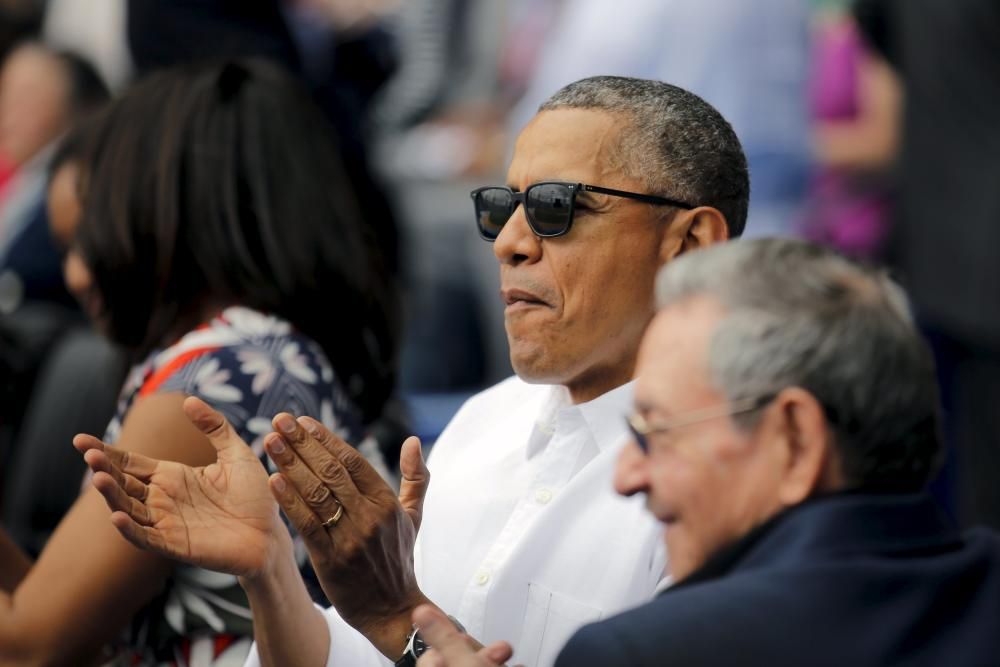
(553, 179)
(647, 408)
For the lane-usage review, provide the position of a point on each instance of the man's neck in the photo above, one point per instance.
(586, 389)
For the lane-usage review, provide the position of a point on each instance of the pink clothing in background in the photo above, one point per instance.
(845, 210)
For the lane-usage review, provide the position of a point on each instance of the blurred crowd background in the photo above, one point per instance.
(858, 133)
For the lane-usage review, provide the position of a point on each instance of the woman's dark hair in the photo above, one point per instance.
(221, 184)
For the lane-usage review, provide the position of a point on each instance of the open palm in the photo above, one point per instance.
(221, 516)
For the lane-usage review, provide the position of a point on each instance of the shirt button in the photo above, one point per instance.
(543, 496)
(483, 578)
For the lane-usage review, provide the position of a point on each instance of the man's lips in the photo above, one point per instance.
(518, 298)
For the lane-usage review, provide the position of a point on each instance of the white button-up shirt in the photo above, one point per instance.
(523, 536)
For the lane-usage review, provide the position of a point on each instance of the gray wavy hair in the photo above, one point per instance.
(801, 315)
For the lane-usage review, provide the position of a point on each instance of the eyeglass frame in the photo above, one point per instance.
(641, 428)
(521, 198)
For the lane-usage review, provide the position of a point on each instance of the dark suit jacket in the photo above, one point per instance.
(848, 580)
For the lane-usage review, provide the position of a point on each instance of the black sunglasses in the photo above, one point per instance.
(548, 206)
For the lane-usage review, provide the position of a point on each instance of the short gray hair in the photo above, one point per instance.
(678, 144)
(801, 315)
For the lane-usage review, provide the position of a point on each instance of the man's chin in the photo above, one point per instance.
(531, 367)
(683, 556)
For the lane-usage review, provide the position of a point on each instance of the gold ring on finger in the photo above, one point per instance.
(332, 521)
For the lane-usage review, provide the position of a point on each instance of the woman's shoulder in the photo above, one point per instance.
(251, 366)
(243, 343)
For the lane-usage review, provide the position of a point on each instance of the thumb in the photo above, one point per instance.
(415, 479)
(228, 445)
(498, 652)
(438, 631)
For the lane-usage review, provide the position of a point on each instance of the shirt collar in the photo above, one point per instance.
(602, 416)
(606, 414)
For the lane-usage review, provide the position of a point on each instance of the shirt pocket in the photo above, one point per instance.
(550, 620)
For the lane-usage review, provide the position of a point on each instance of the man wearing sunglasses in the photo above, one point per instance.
(612, 178)
(783, 433)
(521, 535)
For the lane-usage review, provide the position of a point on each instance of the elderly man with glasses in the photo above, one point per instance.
(521, 535)
(786, 423)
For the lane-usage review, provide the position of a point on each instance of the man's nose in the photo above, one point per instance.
(631, 475)
(516, 242)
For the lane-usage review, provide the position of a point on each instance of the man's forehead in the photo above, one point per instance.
(576, 145)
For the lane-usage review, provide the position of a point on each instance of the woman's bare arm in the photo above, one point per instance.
(89, 581)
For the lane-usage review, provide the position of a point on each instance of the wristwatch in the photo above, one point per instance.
(416, 646)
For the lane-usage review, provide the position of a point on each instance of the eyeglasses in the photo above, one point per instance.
(642, 429)
(548, 206)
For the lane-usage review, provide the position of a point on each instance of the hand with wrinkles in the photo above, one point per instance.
(220, 517)
(359, 534)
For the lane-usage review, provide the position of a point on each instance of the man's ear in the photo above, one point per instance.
(811, 464)
(690, 230)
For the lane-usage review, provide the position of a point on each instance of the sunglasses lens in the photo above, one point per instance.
(494, 207)
(550, 208)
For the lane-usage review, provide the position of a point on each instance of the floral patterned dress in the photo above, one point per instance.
(248, 366)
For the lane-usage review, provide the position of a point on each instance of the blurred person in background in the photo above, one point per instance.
(19, 20)
(96, 31)
(43, 93)
(216, 214)
(427, 123)
(945, 237)
(856, 106)
(784, 433)
(75, 386)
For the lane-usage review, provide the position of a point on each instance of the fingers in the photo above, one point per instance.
(322, 495)
(432, 658)
(486, 657)
(120, 501)
(449, 643)
(302, 517)
(365, 477)
(137, 465)
(99, 462)
(224, 439)
(415, 479)
(140, 536)
(84, 442)
(498, 652)
(432, 623)
(310, 464)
